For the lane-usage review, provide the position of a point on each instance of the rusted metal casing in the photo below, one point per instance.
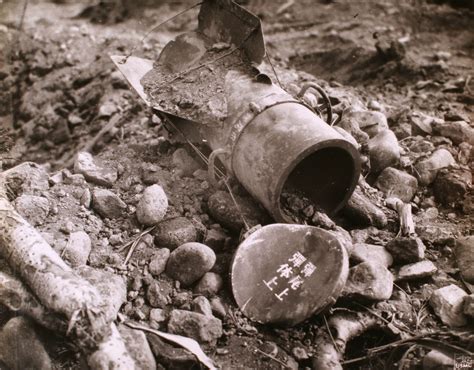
(271, 140)
(295, 271)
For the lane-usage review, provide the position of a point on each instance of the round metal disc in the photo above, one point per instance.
(285, 273)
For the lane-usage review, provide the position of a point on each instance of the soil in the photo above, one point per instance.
(58, 88)
(196, 93)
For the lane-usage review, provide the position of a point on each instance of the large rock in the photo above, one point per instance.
(78, 248)
(206, 329)
(223, 210)
(107, 204)
(369, 281)
(21, 348)
(383, 150)
(138, 347)
(451, 185)
(363, 252)
(152, 206)
(93, 171)
(33, 208)
(363, 211)
(427, 169)
(184, 162)
(417, 270)
(189, 262)
(406, 249)
(458, 131)
(465, 257)
(396, 183)
(174, 232)
(209, 284)
(447, 303)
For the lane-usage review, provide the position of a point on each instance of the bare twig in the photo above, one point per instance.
(330, 334)
(272, 358)
(284, 7)
(421, 339)
(273, 68)
(60, 289)
(135, 243)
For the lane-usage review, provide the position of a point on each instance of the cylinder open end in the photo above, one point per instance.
(326, 177)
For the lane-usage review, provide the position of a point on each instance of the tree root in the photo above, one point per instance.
(407, 226)
(17, 298)
(344, 327)
(59, 289)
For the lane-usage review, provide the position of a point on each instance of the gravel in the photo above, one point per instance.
(174, 232)
(383, 150)
(209, 285)
(158, 262)
(152, 206)
(417, 270)
(204, 329)
(94, 172)
(370, 281)
(427, 169)
(447, 303)
(78, 248)
(107, 204)
(363, 252)
(406, 249)
(189, 262)
(396, 183)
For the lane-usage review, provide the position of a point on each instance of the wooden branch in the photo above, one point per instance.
(407, 226)
(17, 298)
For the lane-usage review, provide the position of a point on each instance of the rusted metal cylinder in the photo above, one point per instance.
(274, 141)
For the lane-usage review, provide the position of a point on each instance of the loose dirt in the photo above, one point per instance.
(58, 88)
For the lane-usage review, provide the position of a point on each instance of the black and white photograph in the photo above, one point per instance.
(236, 184)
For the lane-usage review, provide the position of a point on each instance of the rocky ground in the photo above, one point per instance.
(134, 201)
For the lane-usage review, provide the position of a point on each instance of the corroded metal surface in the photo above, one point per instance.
(283, 274)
